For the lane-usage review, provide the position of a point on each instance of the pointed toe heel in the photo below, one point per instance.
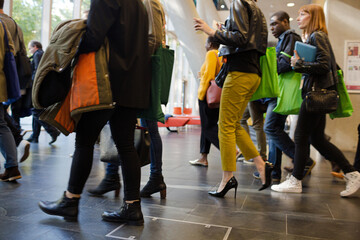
(268, 169)
(232, 183)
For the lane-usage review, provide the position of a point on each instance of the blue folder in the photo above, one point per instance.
(305, 51)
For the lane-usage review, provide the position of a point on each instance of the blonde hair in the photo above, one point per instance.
(317, 19)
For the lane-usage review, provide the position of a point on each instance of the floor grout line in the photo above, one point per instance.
(332, 215)
(286, 225)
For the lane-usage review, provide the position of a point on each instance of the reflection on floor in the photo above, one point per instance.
(188, 212)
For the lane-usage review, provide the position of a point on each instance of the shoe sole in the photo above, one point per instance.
(288, 191)
(133, 223)
(26, 153)
(198, 164)
(11, 179)
(337, 175)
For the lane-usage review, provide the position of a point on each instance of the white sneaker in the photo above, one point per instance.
(352, 183)
(291, 185)
(23, 150)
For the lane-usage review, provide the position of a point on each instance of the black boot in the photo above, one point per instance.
(129, 213)
(154, 185)
(109, 183)
(65, 207)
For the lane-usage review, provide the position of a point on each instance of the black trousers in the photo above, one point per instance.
(122, 124)
(209, 118)
(310, 130)
(357, 156)
(13, 127)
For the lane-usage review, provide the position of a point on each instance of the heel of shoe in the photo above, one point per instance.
(71, 219)
(163, 194)
(235, 191)
(117, 192)
(268, 170)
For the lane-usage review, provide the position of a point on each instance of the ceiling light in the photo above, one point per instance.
(290, 4)
(290, 19)
(222, 6)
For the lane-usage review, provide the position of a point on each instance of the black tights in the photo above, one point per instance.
(122, 124)
(310, 130)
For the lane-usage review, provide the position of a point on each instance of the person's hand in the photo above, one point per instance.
(200, 25)
(294, 58)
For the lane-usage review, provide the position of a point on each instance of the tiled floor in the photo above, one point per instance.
(188, 211)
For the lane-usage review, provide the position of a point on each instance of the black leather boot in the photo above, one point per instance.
(109, 183)
(65, 207)
(154, 185)
(129, 213)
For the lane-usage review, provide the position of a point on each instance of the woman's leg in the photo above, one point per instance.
(87, 132)
(122, 124)
(155, 147)
(236, 93)
(211, 125)
(204, 142)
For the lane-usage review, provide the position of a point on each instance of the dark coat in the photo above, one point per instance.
(125, 24)
(323, 71)
(35, 60)
(287, 45)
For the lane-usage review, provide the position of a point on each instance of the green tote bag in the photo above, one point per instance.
(166, 64)
(154, 112)
(289, 101)
(269, 86)
(344, 108)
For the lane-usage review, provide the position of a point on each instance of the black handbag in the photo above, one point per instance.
(321, 101)
(220, 78)
(108, 151)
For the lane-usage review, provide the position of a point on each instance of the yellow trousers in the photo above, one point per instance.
(236, 93)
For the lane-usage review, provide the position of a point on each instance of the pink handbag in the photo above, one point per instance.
(213, 95)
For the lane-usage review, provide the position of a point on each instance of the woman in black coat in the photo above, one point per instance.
(125, 24)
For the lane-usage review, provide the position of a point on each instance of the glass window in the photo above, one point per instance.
(61, 10)
(27, 14)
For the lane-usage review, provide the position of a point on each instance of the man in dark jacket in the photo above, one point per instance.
(125, 24)
(35, 48)
(279, 140)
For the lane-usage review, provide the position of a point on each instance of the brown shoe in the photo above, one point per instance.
(10, 174)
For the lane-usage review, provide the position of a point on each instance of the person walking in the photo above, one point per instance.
(125, 24)
(311, 125)
(245, 40)
(35, 48)
(209, 117)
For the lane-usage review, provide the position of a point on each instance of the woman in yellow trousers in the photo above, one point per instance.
(245, 40)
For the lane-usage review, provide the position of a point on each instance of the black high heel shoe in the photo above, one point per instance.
(268, 169)
(232, 183)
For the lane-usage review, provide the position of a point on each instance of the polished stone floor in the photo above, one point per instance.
(188, 212)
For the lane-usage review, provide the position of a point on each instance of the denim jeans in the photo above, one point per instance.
(37, 123)
(155, 147)
(13, 127)
(7, 142)
(155, 150)
(279, 139)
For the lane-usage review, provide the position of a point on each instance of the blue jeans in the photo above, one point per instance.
(7, 142)
(155, 150)
(274, 129)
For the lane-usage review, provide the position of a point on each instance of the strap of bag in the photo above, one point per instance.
(21, 43)
(6, 37)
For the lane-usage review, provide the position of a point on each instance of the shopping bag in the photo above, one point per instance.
(344, 108)
(166, 64)
(109, 153)
(269, 86)
(154, 112)
(289, 100)
(213, 95)
(12, 79)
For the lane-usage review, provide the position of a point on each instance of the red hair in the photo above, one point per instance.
(317, 19)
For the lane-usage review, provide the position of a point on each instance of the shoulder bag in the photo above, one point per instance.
(12, 79)
(213, 93)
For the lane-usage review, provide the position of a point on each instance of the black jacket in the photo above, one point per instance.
(287, 45)
(246, 29)
(35, 60)
(125, 24)
(323, 71)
